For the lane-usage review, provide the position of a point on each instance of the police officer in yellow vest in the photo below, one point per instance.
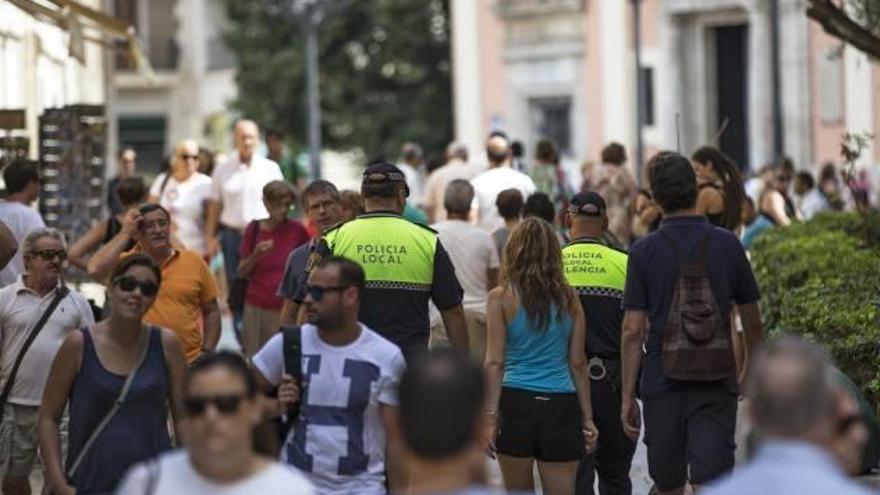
(405, 266)
(598, 273)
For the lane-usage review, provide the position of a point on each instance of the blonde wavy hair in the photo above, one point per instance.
(531, 266)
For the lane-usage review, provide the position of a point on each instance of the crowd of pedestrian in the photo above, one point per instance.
(397, 338)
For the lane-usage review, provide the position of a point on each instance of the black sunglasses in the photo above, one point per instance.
(225, 404)
(189, 157)
(844, 424)
(318, 292)
(50, 254)
(128, 283)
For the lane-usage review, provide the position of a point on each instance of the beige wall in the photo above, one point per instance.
(592, 83)
(491, 74)
(826, 133)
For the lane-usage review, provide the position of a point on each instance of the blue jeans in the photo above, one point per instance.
(230, 240)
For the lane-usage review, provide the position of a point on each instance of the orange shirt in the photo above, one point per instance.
(186, 286)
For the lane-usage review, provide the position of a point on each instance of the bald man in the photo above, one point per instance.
(499, 177)
(236, 196)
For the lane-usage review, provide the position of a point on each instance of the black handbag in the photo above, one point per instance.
(238, 287)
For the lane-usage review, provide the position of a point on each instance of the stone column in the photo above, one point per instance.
(795, 69)
(466, 74)
(760, 98)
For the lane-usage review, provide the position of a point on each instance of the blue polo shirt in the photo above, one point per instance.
(652, 272)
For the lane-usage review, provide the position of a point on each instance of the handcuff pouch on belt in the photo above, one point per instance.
(596, 368)
(601, 369)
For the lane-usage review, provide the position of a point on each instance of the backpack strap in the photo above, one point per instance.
(292, 346)
(154, 469)
(293, 352)
(702, 248)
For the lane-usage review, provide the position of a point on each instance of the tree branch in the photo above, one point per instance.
(836, 23)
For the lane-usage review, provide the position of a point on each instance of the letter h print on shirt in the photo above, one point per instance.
(361, 375)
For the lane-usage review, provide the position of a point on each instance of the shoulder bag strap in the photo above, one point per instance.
(120, 399)
(255, 231)
(164, 184)
(60, 294)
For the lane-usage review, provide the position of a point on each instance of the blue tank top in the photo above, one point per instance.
(138, 431)
(537, 359)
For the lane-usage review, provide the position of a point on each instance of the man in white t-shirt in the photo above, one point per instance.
(456, 167)
(412, 164)
(21, 306)
(345, 438)
(475, 259)
(499, 177)
(23, 188)
(222, 408)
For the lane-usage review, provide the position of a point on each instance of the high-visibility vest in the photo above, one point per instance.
(394, 253)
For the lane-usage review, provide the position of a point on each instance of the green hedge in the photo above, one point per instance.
(821, 279)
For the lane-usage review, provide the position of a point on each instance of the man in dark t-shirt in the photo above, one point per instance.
(321, 203)
(689, 426)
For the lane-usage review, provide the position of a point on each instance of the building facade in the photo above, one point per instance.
(39, 73)
(565, 69)
(192, 85)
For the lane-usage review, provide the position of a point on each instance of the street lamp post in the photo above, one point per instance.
(640, 87)
(311, 13)
(778, 123)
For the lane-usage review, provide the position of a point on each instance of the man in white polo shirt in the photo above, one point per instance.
(236, 196)
(22, 305)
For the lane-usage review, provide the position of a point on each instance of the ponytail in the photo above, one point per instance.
(731, 180)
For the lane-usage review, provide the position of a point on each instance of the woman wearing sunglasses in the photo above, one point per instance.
(117, 379)
(184, 191)
(222, 408)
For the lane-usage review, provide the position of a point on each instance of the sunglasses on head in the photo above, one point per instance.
(128, 283)
(385, 177)
(318, 292)
(50, 254)
(225, 404)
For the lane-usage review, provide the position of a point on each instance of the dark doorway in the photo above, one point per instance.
(146, 134)
(551, 119)
(731, 98)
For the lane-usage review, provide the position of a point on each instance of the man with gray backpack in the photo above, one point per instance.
(682, 282)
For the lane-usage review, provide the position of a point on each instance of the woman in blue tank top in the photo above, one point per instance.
(89, 374)
(538, 395)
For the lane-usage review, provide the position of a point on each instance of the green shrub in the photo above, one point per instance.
(821, 279)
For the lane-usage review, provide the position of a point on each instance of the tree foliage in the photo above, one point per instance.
(384, 71)
(821, 279)
(856, 22)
